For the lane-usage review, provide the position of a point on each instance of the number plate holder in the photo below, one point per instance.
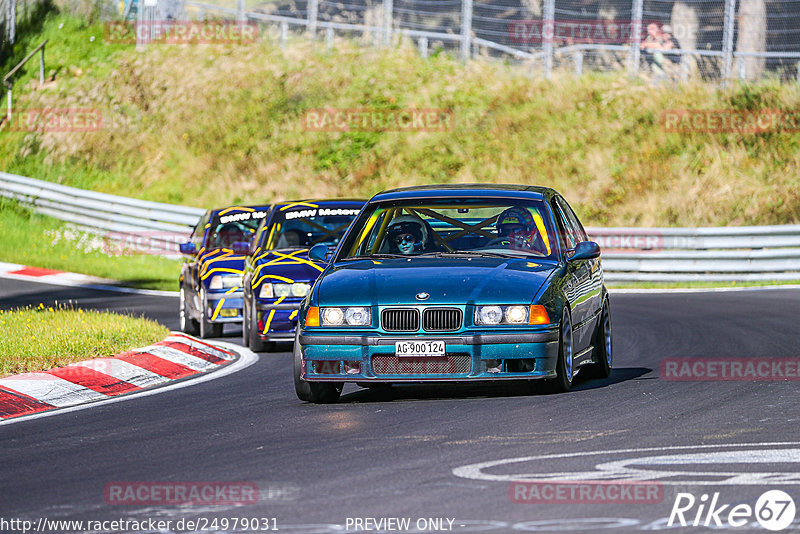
(420, 349)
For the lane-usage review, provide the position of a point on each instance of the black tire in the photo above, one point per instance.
(207, 328)
(245, 324)
(189, 325)
(601, 340)
(316, 392)
(253, 340)
(565, 369)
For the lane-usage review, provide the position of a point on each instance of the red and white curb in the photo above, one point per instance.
(15, 271)
(176, 357)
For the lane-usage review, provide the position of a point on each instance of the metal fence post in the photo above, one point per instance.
(729, 21)
(636, 37)
(284, 34)
(313, 15)
(577, 57)
(329, 38)
(466, 29)
(742, 64)
(9, 103)
(41, 67)
(423, 48)
(388, 11)
(12, 20)
(240, 11)
(548, 35)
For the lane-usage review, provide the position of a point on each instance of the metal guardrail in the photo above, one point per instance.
(734, 253)
(114, 217)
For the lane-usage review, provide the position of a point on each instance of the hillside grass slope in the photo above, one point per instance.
(209, 125)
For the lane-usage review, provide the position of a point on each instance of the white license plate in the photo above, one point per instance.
(413, 349)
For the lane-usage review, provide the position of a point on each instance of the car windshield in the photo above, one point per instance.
(234, 225)
(453, 227)
(306, 226)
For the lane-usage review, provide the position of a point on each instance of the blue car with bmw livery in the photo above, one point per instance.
(278, 274)
(455, 283)
(211, 277)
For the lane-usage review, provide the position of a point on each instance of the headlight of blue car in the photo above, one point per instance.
(352, 316)
(271, 291)
(500, 315)
(225, 282)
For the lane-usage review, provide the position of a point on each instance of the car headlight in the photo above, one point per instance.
(300, 289)
(297, 289)
(492, 315)
(224, 282)
(266, 291)
(488, 315)
(332, 316)
(352, 316)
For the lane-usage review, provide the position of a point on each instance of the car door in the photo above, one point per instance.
(190, 270)
(595, 265)
(579, 277)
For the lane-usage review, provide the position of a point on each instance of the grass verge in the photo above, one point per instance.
(210, 125)
(698, 285)
(37, 339)
(32, 239)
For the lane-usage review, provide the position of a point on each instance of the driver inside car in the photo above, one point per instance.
(517, 229)
(407, 235)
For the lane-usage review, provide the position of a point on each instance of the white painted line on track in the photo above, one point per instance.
(181, 358)
(124, 371)
(51, 389)
(246, 359)
(199, 346)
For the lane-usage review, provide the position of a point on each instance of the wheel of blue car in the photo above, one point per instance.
(601, 341)
(564, 366)
(253, 341)
(207, 328)
(316, 392)
(189, 325)
(245, 324)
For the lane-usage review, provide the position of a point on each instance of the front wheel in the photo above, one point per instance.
(207, 328)
(189, 325)
(316, 392)
(252, 339)
(603, 349)
(564, 366)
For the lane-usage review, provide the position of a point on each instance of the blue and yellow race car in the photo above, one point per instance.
(278, 274)
(211, 277)
(455, 283)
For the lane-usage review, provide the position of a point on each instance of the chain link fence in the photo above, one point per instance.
(713, 40)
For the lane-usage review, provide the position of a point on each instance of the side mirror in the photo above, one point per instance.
(318, 253)
(586, 250)
(188, 248)
(241, 248)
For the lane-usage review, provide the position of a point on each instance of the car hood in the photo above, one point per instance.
(446, 280)
(289, 264)
(220, 262)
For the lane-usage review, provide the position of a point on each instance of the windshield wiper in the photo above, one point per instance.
(459, 253)
(375, 256)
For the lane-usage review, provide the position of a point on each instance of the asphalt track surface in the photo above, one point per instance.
(402, 452)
